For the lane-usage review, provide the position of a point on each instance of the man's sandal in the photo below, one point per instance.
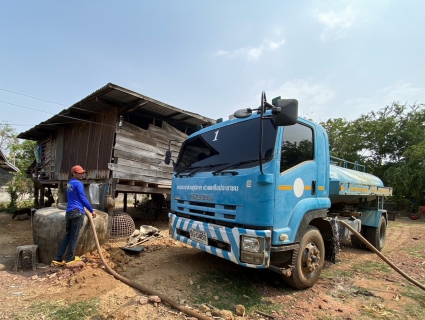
(58, 263)
(72, 261)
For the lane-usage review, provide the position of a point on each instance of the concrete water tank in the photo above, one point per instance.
(49, 230)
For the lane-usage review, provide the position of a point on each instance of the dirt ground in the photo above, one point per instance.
(358, 286)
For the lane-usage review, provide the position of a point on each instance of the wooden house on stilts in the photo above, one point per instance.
(120, 137)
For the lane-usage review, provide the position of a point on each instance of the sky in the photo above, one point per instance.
(339, 59)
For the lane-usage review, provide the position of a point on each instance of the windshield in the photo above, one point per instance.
(237, 144)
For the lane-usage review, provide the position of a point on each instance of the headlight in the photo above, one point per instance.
(250, 244)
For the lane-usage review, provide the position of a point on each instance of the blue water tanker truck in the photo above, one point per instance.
(262, 191)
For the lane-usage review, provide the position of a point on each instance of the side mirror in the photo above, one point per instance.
(167, 157)
(285, 112)
(168, 154)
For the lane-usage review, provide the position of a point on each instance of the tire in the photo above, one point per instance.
(307, 260)
(377, 236)
(413, 216)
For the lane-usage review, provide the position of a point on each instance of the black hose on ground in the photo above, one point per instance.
(133, 284)
(371, 247)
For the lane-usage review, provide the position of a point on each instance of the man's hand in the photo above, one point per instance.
(93, 214)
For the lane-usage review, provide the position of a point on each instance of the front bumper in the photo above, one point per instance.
(223, 242)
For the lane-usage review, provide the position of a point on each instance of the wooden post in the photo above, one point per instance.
(42, 189)
(36, 195)
(61, 193)
(125, 202)
(158, 200)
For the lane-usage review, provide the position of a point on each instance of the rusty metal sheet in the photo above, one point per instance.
(89, 145)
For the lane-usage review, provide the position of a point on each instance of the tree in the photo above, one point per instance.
(21, 155)
(408, 176)
(344, 140)
(7, 137)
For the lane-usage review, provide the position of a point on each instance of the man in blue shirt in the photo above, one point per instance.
(74, 217)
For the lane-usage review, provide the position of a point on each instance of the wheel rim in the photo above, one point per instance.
(310, 260)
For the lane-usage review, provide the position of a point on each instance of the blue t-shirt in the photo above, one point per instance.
(76, 197)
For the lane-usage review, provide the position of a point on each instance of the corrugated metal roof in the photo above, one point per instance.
(123, 99)
(6, 165)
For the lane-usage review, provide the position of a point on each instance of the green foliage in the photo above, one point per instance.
(4, 206)
(389, 133)
(7, 137)
(344, 140)
(13, 199)
(19, 186)
(21, 155)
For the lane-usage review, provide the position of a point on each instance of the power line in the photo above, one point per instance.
(17, 105)
(59, 115)
(61, 104)
(25, 95)
(32, 125)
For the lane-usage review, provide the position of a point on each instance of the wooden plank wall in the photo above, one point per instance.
(47, 167)
(139, 155)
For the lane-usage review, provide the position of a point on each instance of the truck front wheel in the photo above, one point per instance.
(377, 236)
(307, 260)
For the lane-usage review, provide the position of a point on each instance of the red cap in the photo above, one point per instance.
(77, 169)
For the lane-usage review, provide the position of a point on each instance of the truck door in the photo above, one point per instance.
(296, 187)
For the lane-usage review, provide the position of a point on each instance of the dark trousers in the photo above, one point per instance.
(74, 222)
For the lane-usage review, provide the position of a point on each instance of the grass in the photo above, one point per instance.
(59, 311)
(417, 295)
(369, 268)
(334, 272)
(232, 289)
(363, 292)
(416, 251)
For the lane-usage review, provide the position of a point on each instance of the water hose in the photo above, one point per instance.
(372, 248)
(137, 286)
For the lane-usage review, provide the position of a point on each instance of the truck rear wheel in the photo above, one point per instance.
(377, 236)
(307, 260)
(356, 242)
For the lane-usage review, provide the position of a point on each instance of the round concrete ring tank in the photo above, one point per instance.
(49, 230)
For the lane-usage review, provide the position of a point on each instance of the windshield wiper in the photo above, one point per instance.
(191, 173)
(234, 165)
(186, 169)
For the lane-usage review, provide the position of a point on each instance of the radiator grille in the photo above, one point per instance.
(206, 213)
(202, 204)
